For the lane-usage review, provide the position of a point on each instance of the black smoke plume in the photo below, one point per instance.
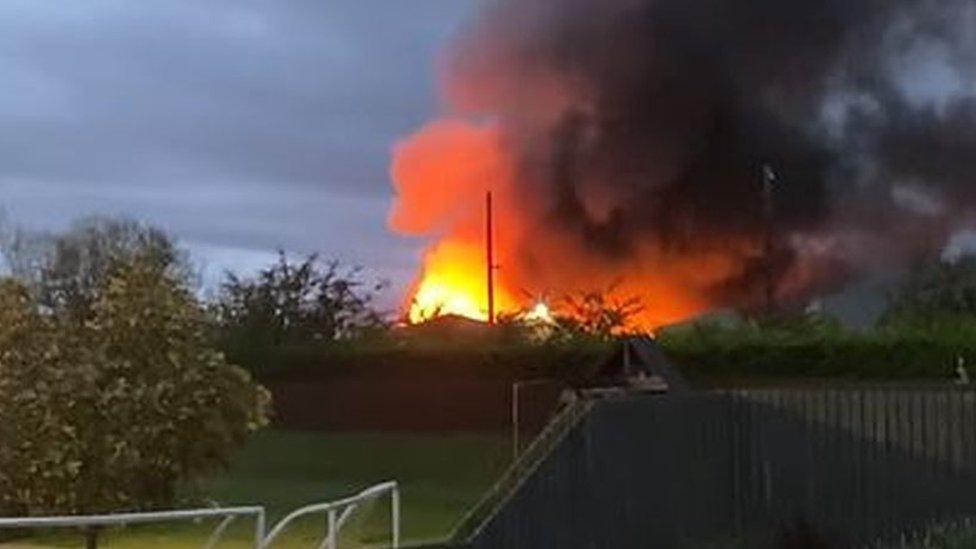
(638, 121)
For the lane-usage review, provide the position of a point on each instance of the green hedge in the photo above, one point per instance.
(569, 360)
(816, 348)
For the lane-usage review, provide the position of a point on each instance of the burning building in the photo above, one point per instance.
(625, 143)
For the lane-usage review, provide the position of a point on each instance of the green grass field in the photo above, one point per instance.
(440, 477)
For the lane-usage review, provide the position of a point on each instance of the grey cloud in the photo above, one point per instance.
(239, 123)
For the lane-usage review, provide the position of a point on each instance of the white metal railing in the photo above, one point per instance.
(118, 519)
(338, 513)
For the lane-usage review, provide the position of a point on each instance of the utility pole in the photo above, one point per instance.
(490, 259)
(769, 178)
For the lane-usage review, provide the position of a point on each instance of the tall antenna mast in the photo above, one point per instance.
(490, 257)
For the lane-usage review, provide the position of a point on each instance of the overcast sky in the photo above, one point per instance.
(239, 125)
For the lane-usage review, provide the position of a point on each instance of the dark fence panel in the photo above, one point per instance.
(636, 470)
(854, 464)
(826, 459)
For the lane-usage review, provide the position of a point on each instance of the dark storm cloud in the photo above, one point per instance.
(234, 122)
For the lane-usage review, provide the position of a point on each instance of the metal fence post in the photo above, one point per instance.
(259, 530)
(332, 537)
(395, 503)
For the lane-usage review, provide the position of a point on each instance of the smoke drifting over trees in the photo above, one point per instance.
(634, 134)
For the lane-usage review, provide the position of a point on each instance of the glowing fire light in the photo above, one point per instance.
(440, 174)
(539, 313)
(435, 297)
(453, 282)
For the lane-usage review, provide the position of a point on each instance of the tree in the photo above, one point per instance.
(67, 270)
(121, 411)
(934, 291)
(43, 383)
(599, 313)
(291, 302)
(21, 250)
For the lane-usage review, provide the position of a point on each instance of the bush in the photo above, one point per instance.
(295, 303)
(602, 314)
(816, 347)
(119, 412)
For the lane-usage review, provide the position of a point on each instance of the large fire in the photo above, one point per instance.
(454, 281)
(625, 143)
(441, 174)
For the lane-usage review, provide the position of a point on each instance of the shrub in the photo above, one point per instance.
(291, 303)
(597, 313)
(121, 411)
(817, 347)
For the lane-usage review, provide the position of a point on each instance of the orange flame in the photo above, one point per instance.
(440, 174)
(453, 282)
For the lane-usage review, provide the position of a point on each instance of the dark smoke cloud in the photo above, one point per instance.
(639, 121)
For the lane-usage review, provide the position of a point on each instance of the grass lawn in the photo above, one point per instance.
(440, 477)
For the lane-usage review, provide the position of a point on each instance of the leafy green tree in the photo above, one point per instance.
(46, 381)
(935, 292)
(67, 270)
(119, 412)
(298, 302)
(79, 261)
